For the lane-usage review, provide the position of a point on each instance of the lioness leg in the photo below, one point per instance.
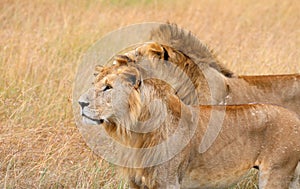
(277, 176)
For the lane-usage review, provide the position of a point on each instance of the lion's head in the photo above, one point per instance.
(114, 95)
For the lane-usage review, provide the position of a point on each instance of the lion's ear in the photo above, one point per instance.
(121, 60)
(158, 50)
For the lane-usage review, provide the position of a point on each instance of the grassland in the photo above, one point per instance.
(41, 43)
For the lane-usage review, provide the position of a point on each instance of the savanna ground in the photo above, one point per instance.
(41, 43)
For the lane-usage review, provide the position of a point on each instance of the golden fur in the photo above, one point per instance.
(211, 87)
(268, 135)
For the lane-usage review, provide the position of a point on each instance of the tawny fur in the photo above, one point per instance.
(260, 135)
(212, 82)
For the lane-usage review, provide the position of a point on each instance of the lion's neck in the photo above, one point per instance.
(162, 114)
(159, 116)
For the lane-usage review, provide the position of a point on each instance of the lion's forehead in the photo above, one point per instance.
(110, 74)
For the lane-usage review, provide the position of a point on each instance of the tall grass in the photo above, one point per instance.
(41, 43)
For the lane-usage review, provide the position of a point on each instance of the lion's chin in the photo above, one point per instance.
(88, 121)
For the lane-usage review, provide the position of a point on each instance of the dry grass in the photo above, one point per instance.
(41, 43)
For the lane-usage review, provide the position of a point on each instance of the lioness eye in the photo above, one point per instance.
(107, 87)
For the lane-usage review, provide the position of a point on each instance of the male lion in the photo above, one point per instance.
(265, 136)
(212, 83)
(185, 50)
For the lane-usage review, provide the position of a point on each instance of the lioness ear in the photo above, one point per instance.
(159, 51)
(121, 60)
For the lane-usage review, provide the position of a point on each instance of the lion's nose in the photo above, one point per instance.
(83, 104)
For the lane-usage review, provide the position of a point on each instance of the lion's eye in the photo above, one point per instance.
(107, 87)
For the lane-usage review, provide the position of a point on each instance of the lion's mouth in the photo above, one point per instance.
(98, 121)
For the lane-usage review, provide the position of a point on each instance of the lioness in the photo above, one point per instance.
(260, 135)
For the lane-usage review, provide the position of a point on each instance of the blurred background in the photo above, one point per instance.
(42, 42)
